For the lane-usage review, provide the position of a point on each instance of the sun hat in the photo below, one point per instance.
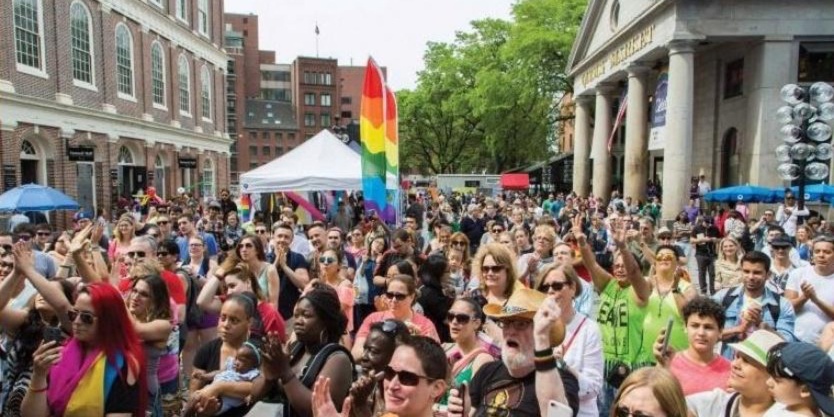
(524, 303)
(781, 242)
(758, 344)
(811, 366)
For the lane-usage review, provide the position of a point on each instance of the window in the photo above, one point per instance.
(325, 119)
(291, 137)
(185, 85)
(182, 10)
(309, 119)
(157, 2)
(265, 135)
(207, 189)
(125, 156)
(205, 92)
(309, 77)
(203, 17)
(347, 115)
(28, 38)
(82, 42)
(328, 79)
(124, 60)
(734, 78)
(253, 151)
(816, 62)
(253, 135)
(309, 99)
(158, 74)
(279, 136)
(266, 151)
(347, 100)
(325, 100)
(614, 18)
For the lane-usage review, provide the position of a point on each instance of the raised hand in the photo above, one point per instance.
(322, 403)
(46, 355)
(81, 240)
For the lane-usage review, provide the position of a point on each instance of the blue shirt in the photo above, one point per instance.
(208, 240)
(288, 293)
(784, 325)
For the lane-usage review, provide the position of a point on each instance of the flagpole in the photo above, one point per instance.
(317, 39)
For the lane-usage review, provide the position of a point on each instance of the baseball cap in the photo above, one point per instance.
(781, 242)
(758, 344)
(215, 204)
(524, 303)
(664, 231)
(83, 215)
(811, 366)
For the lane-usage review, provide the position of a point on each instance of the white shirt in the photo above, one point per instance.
(810, 319)
(703, 187)
(584, 356)
(788, 222)
(780, 410)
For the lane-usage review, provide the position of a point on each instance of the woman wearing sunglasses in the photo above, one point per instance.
(460, 241)
(400, 294)
(330, 265)
(650, 392)
(494, 267)
(366, 391)
(467, 353)
(152, 318)
(581, 351)
(413, 381)
(101, 369)
(251, 251)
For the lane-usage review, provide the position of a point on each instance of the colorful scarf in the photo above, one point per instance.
(81, 390)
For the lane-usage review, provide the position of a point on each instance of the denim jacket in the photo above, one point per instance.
(784, 325)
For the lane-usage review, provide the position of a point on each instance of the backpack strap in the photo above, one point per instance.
(728, 409)
(315, 365)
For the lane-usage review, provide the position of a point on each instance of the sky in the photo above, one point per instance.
(394, 32)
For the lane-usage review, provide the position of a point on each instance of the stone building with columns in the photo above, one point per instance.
(102, 98)
(700, 80)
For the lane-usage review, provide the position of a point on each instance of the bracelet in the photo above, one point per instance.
(37, 391)
(544, 365)
(544, 353)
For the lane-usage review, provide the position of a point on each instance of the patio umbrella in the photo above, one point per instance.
(815, 192)
(33, 197)
(745, 193)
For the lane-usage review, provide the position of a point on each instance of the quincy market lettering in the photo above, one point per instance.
(617, 56)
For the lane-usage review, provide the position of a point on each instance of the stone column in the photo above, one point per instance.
(601, 182)
(582, 146)
(636, 140)
(677, 153)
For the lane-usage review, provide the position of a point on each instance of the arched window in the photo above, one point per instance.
(82, 43)
(185, 85)
(125, 156)
(124, 60)
(205, 92)
(729, 158)
(207, 189)
(27, 149)
(158, 74)
(28, 33)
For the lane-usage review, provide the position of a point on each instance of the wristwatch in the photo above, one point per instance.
(561, 364)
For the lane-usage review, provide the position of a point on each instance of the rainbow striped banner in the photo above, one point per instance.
(245, 208)
(377, 142)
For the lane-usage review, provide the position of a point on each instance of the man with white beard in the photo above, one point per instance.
(528, 376)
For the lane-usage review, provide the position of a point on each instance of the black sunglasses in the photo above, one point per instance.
(44, 233)
(555, 286)
(327, 260)
(459, 243)
(162, 254)
(497, 230)
(86, 317)
(136, 254)
(460, 318)
(492, 268)
(625, 412)
(396, 295)
(405, 377)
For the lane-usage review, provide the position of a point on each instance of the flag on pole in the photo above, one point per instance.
(317, 28)
(372, 127)
(619, 120)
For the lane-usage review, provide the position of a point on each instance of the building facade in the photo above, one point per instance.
(101, 99)
(316, 94)
(700, 81)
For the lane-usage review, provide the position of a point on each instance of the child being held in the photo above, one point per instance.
(244, 367)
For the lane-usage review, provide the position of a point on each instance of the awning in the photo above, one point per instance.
(515, 181)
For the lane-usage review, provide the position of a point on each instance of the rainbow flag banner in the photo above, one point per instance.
(245, 208)
(379, 143)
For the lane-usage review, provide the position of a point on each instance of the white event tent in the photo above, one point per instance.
(322, 163)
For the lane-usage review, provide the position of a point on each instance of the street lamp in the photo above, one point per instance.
(805, 151)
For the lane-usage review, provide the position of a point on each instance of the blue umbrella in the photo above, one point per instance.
(744, 193)
(33, 197)
(815, 192)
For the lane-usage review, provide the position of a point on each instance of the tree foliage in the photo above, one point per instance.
(486, 101)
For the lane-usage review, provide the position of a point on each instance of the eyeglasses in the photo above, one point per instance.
(86, 317)
(195, 245)
(327, 260)
(555, 286)
(136, 254)
(497, 230)
(405, 377)
(780, 248)
(396, 296)
(492, 269)
(260, 231)
(665, 257)
(460, 318)
(458, 243)
(517, 325)
(24, 238)
(625, 412)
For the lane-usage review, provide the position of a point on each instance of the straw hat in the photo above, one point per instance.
(523, 304)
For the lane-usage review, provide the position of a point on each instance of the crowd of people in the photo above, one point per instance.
(514, 305)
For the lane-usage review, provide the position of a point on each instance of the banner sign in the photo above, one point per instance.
(185, 162)
(81, 154)
(657, 140)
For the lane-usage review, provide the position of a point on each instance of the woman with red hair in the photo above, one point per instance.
(101, 369)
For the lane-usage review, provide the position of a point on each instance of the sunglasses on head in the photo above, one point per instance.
(390, 326)
(396, 296)
(623, 411)
(555, 286)
(86, 317)
(326, 260)
(405, 377)
(460, 318)
(492, 268)
(136, 254)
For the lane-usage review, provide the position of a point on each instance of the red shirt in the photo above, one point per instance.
(176, 291)
(272, 320)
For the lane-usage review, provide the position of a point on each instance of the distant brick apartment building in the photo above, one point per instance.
(105, 98)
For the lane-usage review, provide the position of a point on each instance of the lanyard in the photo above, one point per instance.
(570, 342)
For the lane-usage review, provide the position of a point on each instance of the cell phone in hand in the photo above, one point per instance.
(557, 409)
(668, 335)
(53, 334)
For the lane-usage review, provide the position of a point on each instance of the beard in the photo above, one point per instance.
(518, 363)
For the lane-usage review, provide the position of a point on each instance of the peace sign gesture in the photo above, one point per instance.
(619, 234)
(576, 230)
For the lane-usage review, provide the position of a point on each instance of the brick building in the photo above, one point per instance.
(104, 98)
